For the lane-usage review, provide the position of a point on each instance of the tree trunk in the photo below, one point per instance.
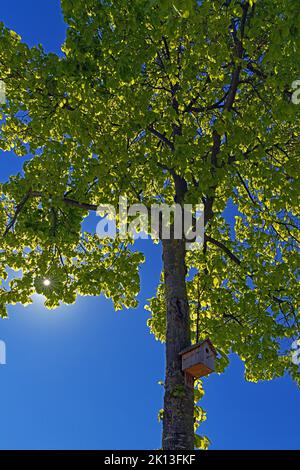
(178, 420)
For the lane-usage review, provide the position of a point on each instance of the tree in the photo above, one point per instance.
(162, 100)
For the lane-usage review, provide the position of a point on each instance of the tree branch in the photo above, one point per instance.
(71, 202)
(161, 137)
(246, 188)
(235, 79)
(223, 247)
(18, 210)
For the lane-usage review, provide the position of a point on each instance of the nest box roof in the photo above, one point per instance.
(195, 346)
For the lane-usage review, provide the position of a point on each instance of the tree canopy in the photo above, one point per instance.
(147, 94)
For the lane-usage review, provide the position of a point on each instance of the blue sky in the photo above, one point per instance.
(85, 377)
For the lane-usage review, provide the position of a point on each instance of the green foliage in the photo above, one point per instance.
(202, 442)
(145, 90)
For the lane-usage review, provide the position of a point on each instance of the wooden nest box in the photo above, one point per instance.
(198, 360)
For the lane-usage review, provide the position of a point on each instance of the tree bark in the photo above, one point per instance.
(178, 419)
